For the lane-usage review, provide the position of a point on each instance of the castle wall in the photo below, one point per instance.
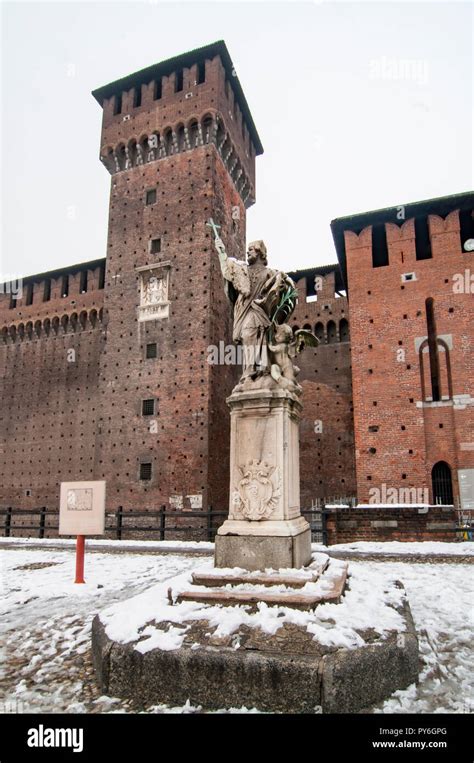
(327, 466)
(49, 368)
(401, 431)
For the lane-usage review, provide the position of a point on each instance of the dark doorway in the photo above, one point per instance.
(442, 484)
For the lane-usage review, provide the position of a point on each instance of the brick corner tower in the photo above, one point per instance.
(408, 271)
(180, 144)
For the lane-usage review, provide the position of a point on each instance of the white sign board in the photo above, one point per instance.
(82, 508)
(466, 488)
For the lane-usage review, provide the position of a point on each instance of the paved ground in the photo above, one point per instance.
(46, 619)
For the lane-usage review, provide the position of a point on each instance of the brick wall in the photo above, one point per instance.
(410, 523)
(400, 433)
(49, 364)
(327, 466)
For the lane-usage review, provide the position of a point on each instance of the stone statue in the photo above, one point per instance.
(263, 299)
(265, 527)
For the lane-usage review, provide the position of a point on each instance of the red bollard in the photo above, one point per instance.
(80, 544)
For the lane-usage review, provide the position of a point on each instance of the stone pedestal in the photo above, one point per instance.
(265, 527)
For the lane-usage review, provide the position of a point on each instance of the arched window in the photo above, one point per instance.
(120, 156)
(221, 136)
(180, 138)
(435, 362)
(332, 332)
(442, 484)
(433, 350)
(319, 331)
(131, 156)
(193, 131)
(307, 327)
(344, 330)
(168, 141)
(207, 125)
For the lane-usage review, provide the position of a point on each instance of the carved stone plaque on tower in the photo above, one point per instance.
(154, 287)
(82, 508)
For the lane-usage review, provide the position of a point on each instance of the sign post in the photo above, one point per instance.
(80, 544)
(81, 513)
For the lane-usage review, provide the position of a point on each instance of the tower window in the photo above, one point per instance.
(433, 349)
(83, 282)
(102, 277)
(157, 90)
(466, 227)
(151, 350)
(29, 294)
(118, 104)
(150, 196)
(379, 246)
(201, 73)
(47, 290)
(178, 81)
(148, 407)
(145, 471)
(137, 97)
(155, 245)
(65, 286)
(422, 239)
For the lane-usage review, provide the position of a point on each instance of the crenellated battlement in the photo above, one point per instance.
(179, 105)
(402, 238)
(47, 296)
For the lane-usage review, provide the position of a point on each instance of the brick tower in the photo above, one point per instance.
(408, 272)
(180, 144)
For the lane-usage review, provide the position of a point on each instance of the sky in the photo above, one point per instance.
(358, 105)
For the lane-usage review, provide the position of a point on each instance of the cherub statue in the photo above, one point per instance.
(285, 348)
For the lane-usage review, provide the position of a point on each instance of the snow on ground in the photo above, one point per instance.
(415, 548)
(46, 619)
(46, 623)
(399, 548)
(364, 606)
(94, 544)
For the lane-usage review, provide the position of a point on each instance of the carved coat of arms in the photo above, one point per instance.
(258, 490)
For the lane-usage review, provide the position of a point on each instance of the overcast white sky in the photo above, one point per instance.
(358, 105)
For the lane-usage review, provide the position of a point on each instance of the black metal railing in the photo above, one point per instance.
(161, 521)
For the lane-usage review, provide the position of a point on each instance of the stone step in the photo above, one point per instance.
(291, 598)
(216, 580)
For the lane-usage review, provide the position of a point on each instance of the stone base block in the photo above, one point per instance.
(288, 672)
(263, 552)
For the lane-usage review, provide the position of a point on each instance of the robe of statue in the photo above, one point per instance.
(251, 290)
